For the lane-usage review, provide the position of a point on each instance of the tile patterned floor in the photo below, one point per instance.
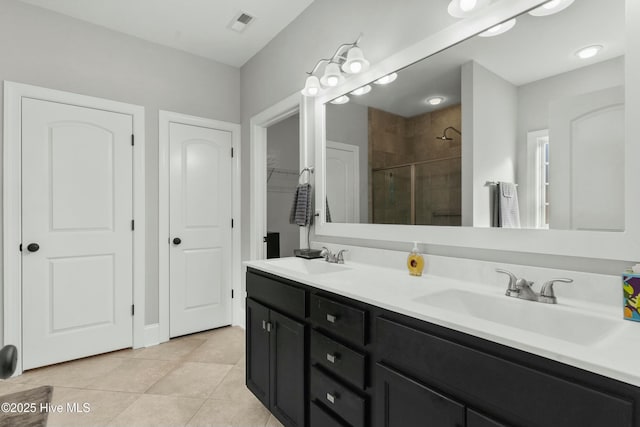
(196, 380)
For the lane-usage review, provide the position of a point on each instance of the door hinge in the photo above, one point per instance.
(20, 247)
(133, 225)
(231, 293)
(231, 222)
(132, 140)
(264, 239)
(232, 152)
(133, 309)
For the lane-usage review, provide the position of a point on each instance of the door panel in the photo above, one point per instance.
(200, 216)
(257, 343)
(343, 182)
(77, 206)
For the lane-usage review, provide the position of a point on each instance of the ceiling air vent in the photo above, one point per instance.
(240, 22)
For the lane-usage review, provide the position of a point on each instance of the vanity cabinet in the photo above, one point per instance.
(330, 361)
(276, 358)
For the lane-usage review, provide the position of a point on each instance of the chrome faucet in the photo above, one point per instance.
(522, 288)
(337, 258)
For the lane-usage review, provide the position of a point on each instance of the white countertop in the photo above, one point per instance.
(613, 355)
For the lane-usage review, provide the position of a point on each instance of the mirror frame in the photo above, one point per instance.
(590, 244)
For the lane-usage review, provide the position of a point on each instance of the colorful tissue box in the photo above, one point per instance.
(631, 296)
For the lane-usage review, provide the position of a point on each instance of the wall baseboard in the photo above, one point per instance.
(151, 335)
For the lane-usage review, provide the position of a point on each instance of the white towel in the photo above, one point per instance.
(508, 200)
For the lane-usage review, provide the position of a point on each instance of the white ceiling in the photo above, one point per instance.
(200, 27)
(536, 48)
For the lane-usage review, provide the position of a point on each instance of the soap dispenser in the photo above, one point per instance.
(415, 261)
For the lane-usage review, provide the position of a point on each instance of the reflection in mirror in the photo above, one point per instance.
(516, 130)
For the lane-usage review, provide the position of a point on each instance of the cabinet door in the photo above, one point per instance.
(287, 370)
(257, 343)
(475, 419)
(403, 402)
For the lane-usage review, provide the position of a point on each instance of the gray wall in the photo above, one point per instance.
(349, 124)
(283, 152)
(47, 49)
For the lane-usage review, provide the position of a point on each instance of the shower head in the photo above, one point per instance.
(444, 136)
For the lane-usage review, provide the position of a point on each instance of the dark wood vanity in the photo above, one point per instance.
(318, 359)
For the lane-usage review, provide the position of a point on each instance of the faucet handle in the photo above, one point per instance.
(512, 289)
(325, 252)
(547, 294)
(340, 256)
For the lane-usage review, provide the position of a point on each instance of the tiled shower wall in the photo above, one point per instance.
(396, 142)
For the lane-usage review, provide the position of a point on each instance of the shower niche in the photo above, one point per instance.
(415, 167)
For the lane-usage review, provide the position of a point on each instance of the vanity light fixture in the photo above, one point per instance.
(499, 29)
(347, 59)
(589, 51)
(389, 78)
(551, 7)
(465, 8)
(362, 90)
(435, 100)
(341, 100)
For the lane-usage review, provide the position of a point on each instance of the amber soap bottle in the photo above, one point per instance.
(415, 261)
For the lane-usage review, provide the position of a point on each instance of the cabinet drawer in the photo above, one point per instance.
(318, 417)
(338, 398)
(474, 419)
(338, 359)
(497, 385)
(285, 298)
(340, 319)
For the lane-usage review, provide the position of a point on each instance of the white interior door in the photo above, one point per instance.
(586, 161)
(77, 208)
(199, 228)
(343, 183)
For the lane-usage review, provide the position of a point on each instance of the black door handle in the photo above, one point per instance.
(177, 241)
(33, 247)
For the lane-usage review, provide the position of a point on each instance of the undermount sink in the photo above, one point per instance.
(545, 319)
(305, 266)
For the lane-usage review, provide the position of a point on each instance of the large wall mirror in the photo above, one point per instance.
(522, 128)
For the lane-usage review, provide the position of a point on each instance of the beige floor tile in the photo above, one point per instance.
(158, 411)
(227, 413)
(8, 387)
(103, 406)
(191, 379)
(224, 345)
(77, 373)
(220, 333)
(273, 422)
(133, 375)
(174, 349)
(233, 388)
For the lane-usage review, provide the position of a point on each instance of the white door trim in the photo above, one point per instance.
(258, 183)
(12, 203)
(166, 117)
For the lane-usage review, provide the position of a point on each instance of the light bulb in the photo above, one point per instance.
(332, 81)
(313, 91)
(589, 52)
(361, 90)
(552, 4)
(467, 5)
(386, 79)
(341, 100)
(355, 67)
(499, 29)
(436, 100)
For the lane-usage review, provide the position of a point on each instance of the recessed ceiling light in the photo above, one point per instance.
(341, 100)
(387, 79)
(589, 51)
(435, 100)
(551, 7)
(464, 8)
(362, 90)
(499, 29)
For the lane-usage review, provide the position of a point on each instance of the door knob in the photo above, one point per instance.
(177, 241)
(33, 247)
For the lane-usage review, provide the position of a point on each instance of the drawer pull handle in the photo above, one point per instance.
(268, 326)
(331, 318)
(331, 357)
(331, 398)
(264, 324)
